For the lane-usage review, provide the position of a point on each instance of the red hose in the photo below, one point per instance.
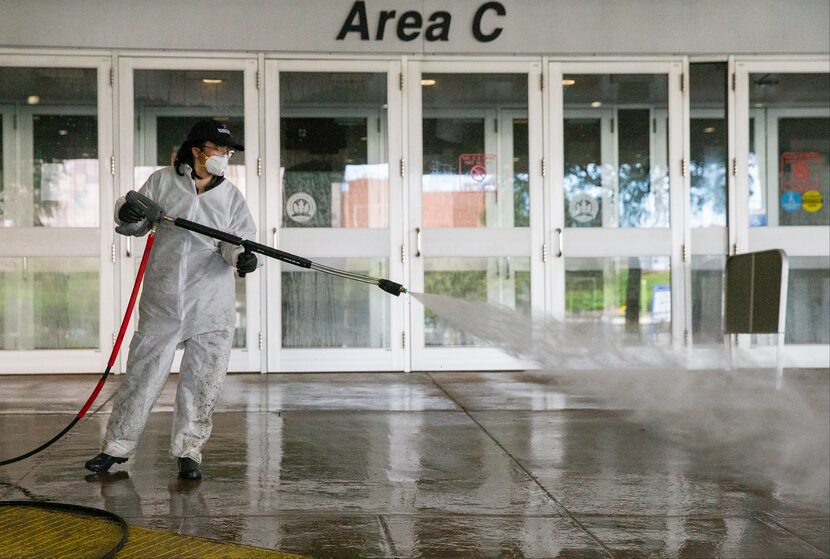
(124, 323)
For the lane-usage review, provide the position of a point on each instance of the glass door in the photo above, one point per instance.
(159, 101)
(55, 267)
(334, 196)
(617, 205)
(782, 189)
(475, 201)
(709, 210)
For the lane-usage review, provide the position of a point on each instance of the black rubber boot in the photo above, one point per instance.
(189, 469)
(103, 462)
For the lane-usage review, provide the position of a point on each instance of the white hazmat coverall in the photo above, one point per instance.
(187, 298)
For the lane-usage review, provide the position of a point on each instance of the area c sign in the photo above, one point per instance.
(410, 23)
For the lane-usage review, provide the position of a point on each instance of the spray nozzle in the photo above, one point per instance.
(391, 287)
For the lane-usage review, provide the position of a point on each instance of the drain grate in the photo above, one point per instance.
(34, 530)
(40, 530)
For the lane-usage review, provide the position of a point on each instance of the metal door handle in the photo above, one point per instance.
(418, 241)
(129, 247)
(559, 243)
(274, 237)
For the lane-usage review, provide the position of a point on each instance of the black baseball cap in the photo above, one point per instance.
(214, 131)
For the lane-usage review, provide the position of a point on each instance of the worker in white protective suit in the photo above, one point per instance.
(188, 298)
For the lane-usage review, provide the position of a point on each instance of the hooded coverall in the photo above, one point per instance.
(188, 298)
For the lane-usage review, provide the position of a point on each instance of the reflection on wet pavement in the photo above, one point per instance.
(441, 465)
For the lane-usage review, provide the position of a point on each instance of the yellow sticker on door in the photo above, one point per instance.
(811, 201)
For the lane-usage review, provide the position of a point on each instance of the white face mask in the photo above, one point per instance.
(216, 164)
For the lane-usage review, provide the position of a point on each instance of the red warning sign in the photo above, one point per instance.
(801, 171)
(477, 171)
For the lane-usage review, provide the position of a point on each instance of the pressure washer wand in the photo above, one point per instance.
(155, 214)
(250, 246)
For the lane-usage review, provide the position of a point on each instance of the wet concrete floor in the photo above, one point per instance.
(439, 465)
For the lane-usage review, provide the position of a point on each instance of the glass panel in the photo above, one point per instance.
(583, 177)
(707, 166)
(167, 104)
(794, 147)
(707, 299)
(49, 303)
(808, 301)
(632, 294)
(474, 171)
(66, 170)
(521, 173)
(804, 168)
(496, 280)
(334, 166)
(241, 328)
(757, 172)
(2, 172)
(616, 150)
(323, 311)
(54, 182)
(9, 301)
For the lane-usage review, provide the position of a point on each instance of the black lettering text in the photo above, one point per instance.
(356, 21)
(409, 20)
(480, 36)
(384, 17)
(440, 28)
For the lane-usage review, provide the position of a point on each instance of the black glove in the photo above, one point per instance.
(131, 212)
(246, 263)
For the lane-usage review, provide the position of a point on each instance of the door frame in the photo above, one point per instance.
(618, 242)
(20, 242)
(712, 240)
(315, 243)
(472, 242)
(795, 240)
(246, 359)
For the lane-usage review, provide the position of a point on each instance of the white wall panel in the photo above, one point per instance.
(529, 26)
